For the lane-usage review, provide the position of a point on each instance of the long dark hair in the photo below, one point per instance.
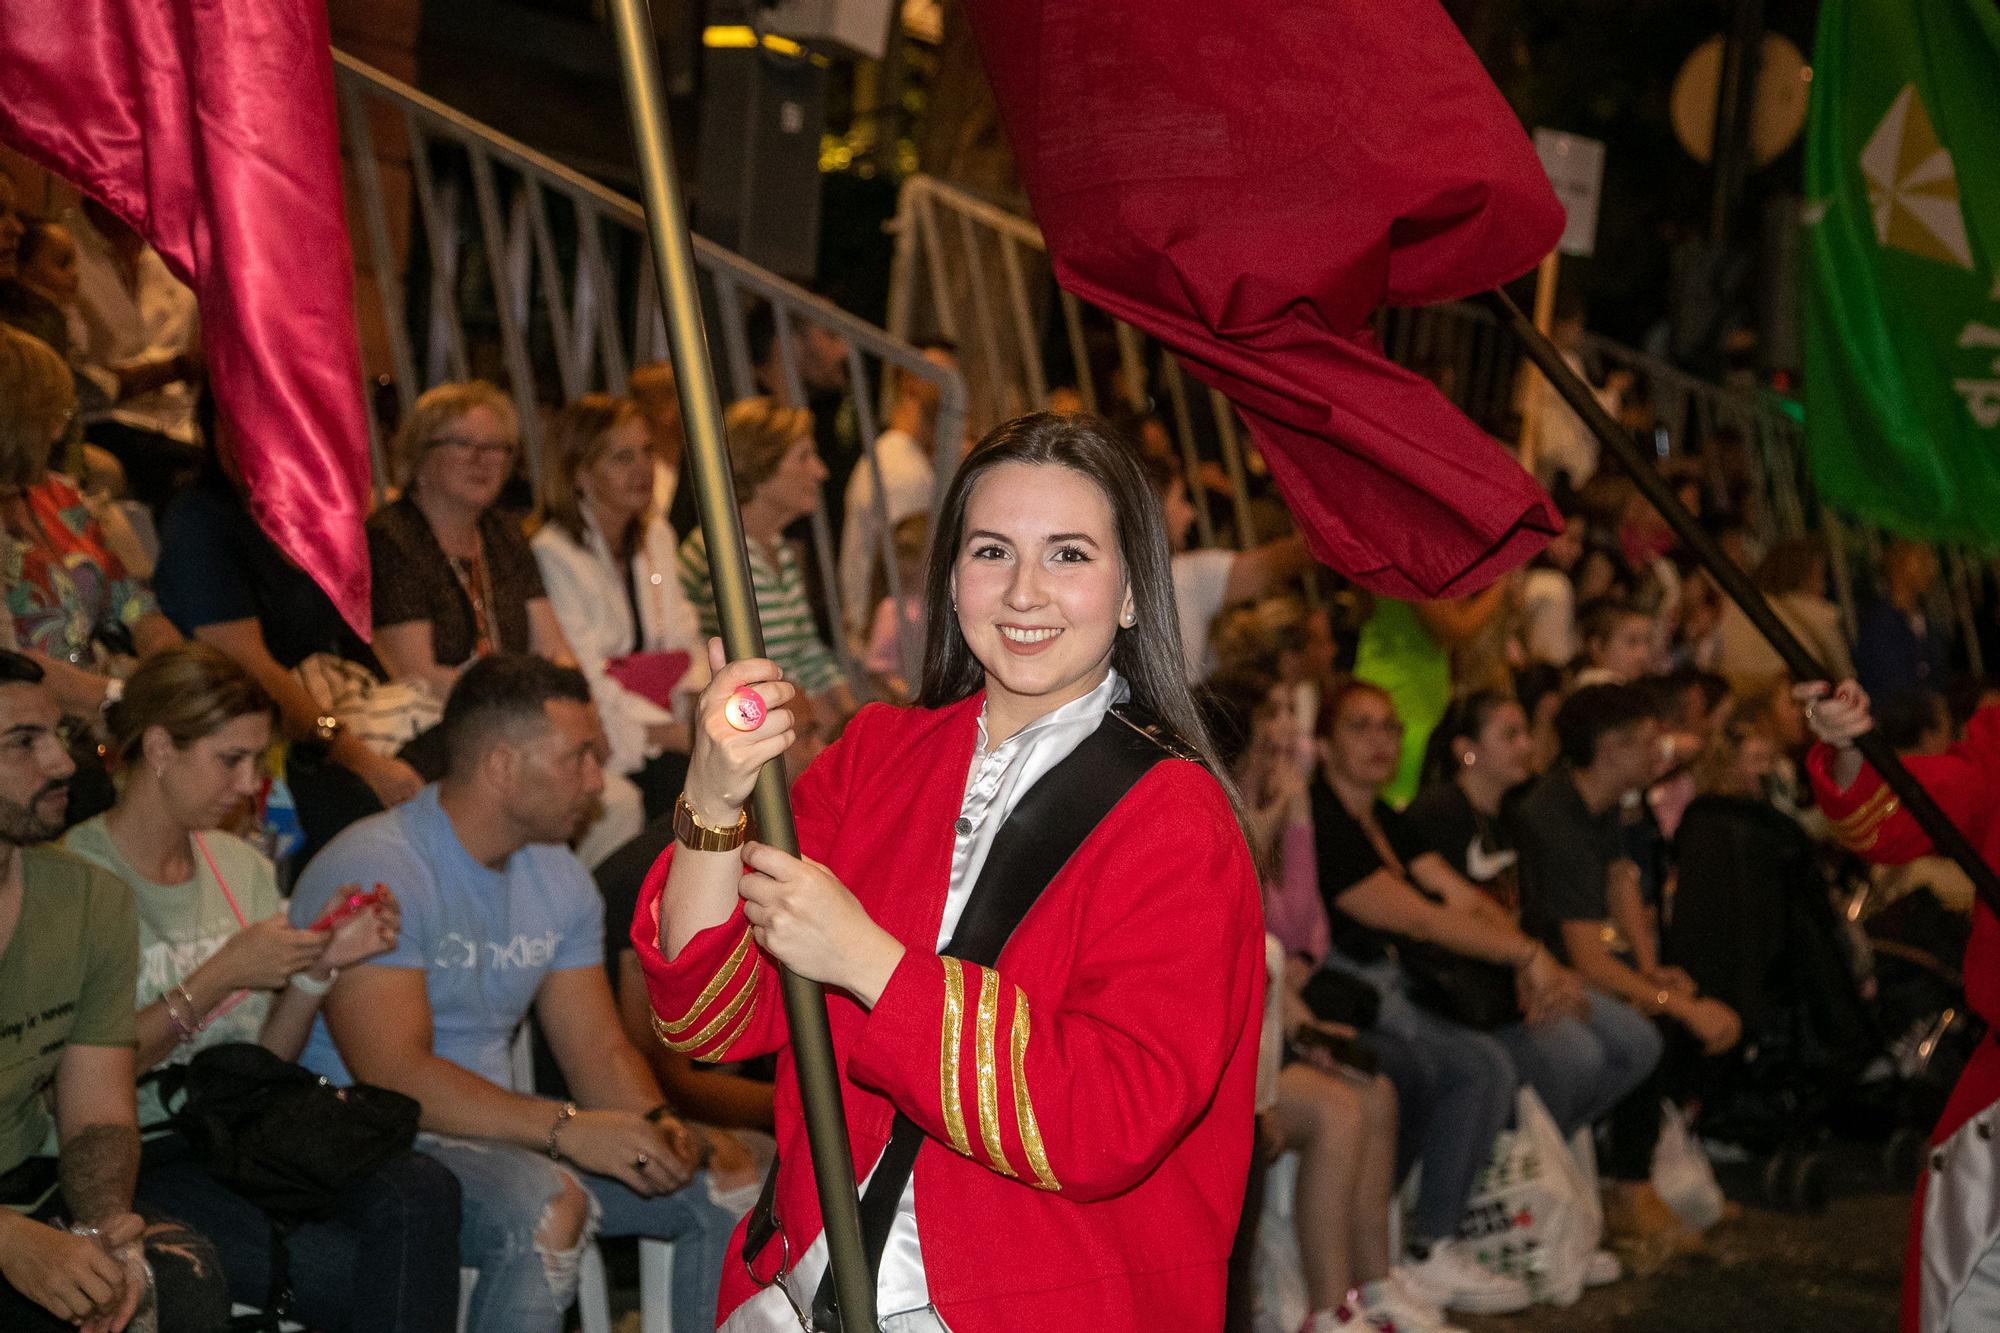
(1148, 655)
(1462, 721)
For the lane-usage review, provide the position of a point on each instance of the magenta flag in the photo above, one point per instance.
(1249, 182)
(209, 126)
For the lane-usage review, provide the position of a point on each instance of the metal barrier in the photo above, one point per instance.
(974, 272)
(971, 271)
(539, 276)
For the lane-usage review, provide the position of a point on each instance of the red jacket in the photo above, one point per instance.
(1870, 821)
(1088, 1101)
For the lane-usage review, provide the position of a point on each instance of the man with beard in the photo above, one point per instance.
(73, 1253)
(498, 916)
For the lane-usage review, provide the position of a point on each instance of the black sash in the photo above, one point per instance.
(1046, 827)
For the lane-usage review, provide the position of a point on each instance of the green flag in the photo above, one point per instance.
(1902, 316)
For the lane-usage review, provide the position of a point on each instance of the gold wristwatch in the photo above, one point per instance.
(696, 836)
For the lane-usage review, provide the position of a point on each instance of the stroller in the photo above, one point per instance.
(1753, 923)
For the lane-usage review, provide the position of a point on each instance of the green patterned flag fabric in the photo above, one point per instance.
(1902, 355)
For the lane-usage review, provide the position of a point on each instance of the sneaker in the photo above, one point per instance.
(1391, 1299)
(1602, 1269)
(1451, 1279)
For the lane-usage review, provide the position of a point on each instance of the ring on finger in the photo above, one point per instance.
(1812, 707)
(745, 709)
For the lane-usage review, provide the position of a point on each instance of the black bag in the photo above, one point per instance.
(1468, 991)
(1335, 996)
(278, 1134)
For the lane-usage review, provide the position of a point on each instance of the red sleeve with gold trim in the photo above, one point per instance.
(1869, 819)
(1084, 1089)
(719, 998)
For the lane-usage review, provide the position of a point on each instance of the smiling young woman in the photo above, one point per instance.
(1110, 1137)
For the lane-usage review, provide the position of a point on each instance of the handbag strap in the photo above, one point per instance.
(1043, 832)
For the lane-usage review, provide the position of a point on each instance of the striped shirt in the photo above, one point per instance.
(791, 636)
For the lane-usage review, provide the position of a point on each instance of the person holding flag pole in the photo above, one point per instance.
(1903, 413)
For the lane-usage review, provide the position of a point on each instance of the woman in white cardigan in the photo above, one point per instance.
(608, 560)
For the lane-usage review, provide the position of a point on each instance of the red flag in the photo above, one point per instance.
(209, 126)
(1248, 182)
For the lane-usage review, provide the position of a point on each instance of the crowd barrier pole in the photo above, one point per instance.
(708, 469)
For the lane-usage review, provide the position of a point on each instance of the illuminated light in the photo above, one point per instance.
(741, 37)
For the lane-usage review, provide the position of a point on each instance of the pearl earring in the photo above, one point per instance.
(1128, 620)
(1470, 760)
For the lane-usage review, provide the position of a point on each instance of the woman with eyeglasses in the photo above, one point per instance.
(453, 577)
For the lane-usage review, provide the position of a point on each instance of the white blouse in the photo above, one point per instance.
(588, 591)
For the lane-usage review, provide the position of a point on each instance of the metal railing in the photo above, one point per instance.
(975, 272)
(535, 275)
(971, 271)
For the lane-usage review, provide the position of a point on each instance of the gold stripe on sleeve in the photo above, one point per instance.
(708, 994)
(742, 1025)
(721, 1021)
(989, 1071)
(954, 1034)
(1024, 1109)
(1872, 809)
(1861, 837)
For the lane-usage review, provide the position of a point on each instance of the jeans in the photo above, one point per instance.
(524, 1286)
(187, 1280)
(385, 1262)
(1582, 1068)
(1454, 1094)
(1634, 1126)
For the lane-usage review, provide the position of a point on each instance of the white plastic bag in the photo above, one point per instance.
(1681, 1173)
(1282, 1303)
(1534, 1214)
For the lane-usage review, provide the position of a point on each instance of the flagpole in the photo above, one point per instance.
(1945, 836)
(707, 462)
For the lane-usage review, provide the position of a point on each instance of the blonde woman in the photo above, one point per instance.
(454, 580)
(778, 474)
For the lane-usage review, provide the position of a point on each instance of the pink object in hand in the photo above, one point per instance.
(745, 709)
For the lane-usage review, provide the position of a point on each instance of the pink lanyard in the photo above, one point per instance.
(241, 921)
(220, 882)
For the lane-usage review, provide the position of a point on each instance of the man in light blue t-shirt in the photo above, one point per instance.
(498, 916)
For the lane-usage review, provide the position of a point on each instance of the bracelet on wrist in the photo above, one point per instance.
(564, 1114)
(183, 1030)
(195, 1015)
(312, 985)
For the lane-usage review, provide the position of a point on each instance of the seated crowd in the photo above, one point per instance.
(1466, 815)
